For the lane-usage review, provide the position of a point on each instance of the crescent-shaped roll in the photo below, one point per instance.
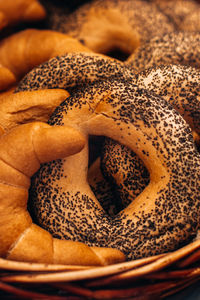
(22, 11)
(22, 51)
(26, 107)
(22, 150)
(7, 78)
(3, 21)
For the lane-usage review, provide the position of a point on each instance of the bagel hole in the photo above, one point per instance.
(103, 190)
(106, 31)
(196, 137)
(118, 54)
(197, 143)
(114, 197)
(95, 146)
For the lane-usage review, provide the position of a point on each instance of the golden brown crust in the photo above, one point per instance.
(117, 108)
(26, 49)
(22, 150)
(14, 218)
(107, 25)
(7, 78)
(21, 52)
(3, 21)
(88, 255)
(26, 107)
(22, 10)
(32, 246)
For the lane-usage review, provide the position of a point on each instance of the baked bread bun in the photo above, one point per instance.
(7, 78)
(22, 150)
(22, 51)
(166, 214)
(3, 21)
(22, 11)
(26, 107)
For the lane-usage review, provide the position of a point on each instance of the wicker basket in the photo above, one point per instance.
(150, 278)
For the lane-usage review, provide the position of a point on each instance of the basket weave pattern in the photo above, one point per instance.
(149, 278)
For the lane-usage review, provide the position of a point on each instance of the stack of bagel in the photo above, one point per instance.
(100, 129)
